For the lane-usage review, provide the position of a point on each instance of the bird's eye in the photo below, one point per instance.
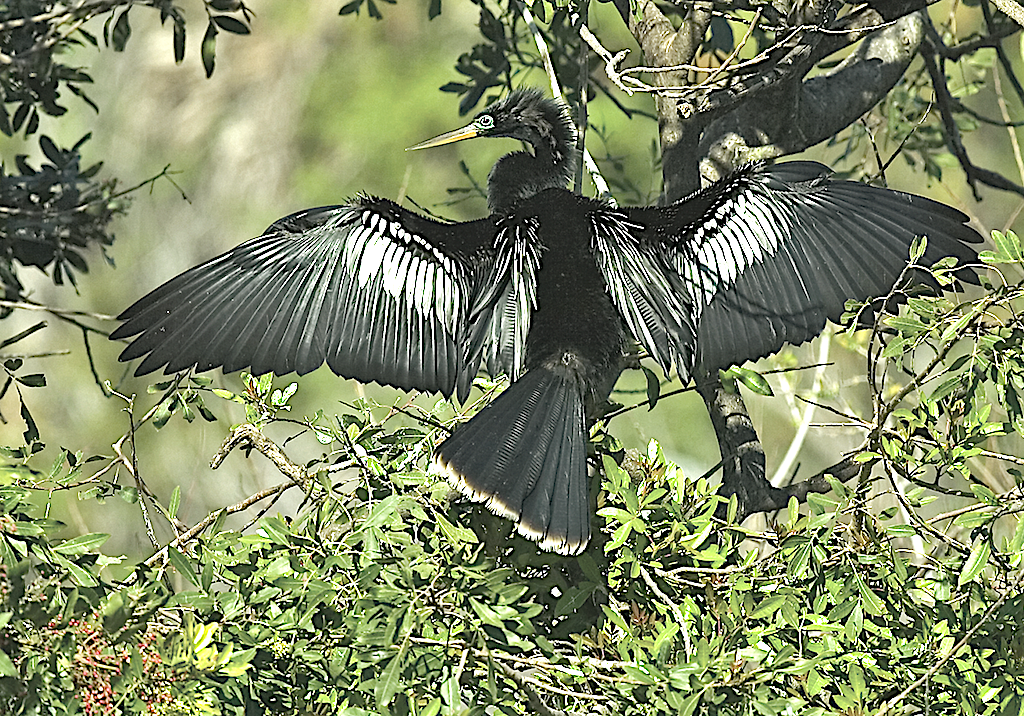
(485, 121)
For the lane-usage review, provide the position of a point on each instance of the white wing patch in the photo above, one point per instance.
(745, 228)
(518, 260)
(642, 291)
(403, 265)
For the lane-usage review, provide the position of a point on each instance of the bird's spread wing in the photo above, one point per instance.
(508, 297)
(378, 292)
(764, 257)
(644, 289)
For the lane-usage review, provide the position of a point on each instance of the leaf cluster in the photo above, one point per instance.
(51, 214)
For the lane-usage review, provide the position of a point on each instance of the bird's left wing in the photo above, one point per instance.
(644, 288)
(378, 292)
(765, 256)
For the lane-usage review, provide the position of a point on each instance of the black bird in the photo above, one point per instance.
(549, 289)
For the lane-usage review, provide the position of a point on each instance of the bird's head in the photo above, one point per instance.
(525, 115)
(541, 123)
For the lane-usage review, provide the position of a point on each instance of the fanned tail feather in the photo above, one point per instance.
(525, 457)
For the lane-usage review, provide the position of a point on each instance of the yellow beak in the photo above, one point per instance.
(456, 135)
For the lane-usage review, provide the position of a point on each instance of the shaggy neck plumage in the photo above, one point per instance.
(520, 175)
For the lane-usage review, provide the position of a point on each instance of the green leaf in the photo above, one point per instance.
(84, 543)
(906, 325)
(390, 679)
(753, 380)
(653, 388)
(36, 380)
(917, 248)
(976, 562)
(768, 607)
(985, 494)
(458, 536)
(946, 387)
(690, 704)
(80, 576)
(1017, 541)
(871, 601)
(181, 563)
(1008, 249)
(172, 508)
(903, 530)
(230, 24)
(450, 692)
(7, 666)
(208, 50)
(122, 31)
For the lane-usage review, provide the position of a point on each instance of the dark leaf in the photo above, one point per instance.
(230, 24)
(22, 335)
(20, 115)
(50, 150)
(31, 433)
(33, 123)
(179, 42)
(88, 37)
(121, 32)
(434, 10)
(653, 388)
(209, 48)
(36, 380)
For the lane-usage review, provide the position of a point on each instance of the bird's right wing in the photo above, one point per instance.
(378, 292)
(765, 256)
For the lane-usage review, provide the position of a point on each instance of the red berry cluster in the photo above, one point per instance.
(95, 666)
(155, 689)
(98, 663)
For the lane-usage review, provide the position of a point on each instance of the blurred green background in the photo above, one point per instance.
(309, 110)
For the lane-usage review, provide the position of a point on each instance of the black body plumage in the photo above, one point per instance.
(547, 289)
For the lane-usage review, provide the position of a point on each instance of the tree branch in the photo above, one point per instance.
(805, 113)
(944, 102)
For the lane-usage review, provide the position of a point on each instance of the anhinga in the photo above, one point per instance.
(548, 288)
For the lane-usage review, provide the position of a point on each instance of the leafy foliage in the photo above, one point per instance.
(52, 214)
(383, 596)
(49, 215)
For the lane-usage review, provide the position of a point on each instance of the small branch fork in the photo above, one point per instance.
(244, 436)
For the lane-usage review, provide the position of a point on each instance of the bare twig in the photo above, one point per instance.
(66, 312)
(526, 685)
(201, 526)
(954, 141)
(556, 90)
(807, 417)
(249, 435)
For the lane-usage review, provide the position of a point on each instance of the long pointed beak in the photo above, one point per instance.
(456, 135)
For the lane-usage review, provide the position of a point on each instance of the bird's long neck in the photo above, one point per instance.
(520, 175)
